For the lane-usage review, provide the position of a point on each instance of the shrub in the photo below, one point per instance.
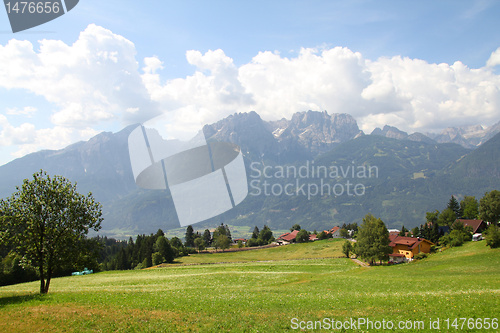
(302, 236)
(157, 258)
(324, 235)
(252, 242)
(455, 238)
(347, 248)
(420, 256)
(493, 236)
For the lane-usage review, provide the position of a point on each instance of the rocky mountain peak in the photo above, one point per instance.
(390, 132)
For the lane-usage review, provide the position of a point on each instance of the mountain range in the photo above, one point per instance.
(415, 173)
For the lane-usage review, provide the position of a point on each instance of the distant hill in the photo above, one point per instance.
(480, 163)
(100, 165)
(468, 137)
(415, 174)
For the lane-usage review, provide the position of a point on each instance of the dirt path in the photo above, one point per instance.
(359, 262)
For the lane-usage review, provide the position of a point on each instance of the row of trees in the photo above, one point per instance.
(146, 251)
(260, 237)
(220, 239)
(487, 209)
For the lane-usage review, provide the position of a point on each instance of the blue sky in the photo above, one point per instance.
(418, 65)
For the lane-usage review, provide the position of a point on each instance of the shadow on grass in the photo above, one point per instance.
(19, 299)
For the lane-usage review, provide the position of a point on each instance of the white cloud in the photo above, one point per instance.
(28, 139)
(27, 111)
(329, 80)
(97, 80)
(11, 135)
(93, 80)
(419, 96)
(494, 59)
(408, 93)
(214, 89)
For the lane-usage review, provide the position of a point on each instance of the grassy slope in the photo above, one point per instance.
(260, 296)
(326, 249)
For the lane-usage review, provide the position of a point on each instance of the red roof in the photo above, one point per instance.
(396, 255)
(411, 242)
(289, 236)
(312, 237)
(475, 224)
(334, 229)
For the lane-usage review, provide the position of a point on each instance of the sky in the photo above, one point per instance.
(417, 65)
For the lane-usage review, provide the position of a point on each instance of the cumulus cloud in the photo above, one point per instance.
(98, 80)
(494, 59)
(27, 111)
(419, 96)
(214, 89)
(28, 139)
(408, 93)
(93, 80)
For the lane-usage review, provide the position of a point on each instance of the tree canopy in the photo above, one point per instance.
(302, 236)
(373, 239)
(454, 206)
(489, 207)
(189, 237)
(47, 220)
(469, 207)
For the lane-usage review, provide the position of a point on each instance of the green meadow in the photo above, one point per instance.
(262, 291)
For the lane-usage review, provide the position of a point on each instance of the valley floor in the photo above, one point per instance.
(273, 290)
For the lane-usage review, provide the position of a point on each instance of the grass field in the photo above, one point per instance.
(261, 291)
(326, 249)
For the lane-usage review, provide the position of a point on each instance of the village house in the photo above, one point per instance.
(243, 240)
(287, 238)
(478, 226)
(405, 248)
(335, 232)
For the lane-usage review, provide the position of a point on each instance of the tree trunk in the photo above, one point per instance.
(47, 284)
(42, 280)
(49, 276)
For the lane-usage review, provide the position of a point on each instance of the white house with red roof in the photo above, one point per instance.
(287, 237)
(335, 232)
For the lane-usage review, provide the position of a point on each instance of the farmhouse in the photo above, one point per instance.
(405, 248)
(243, 240)
(287, 238)
(335, 231)
(478, 226)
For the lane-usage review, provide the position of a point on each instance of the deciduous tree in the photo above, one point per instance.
(373, 239)
(199, 244)
(489, 207)
(469, 207)
(302, 236)
(347, 248)
(47, 221)
(493, 236)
